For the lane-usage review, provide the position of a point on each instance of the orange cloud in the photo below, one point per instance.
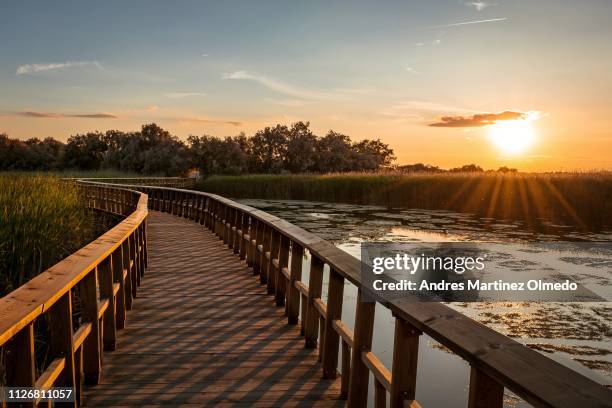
(50, 115)
(481, 119)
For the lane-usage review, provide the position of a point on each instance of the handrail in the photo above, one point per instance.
(104, 273)
(177, 182)
(275, 248)
(496, 361)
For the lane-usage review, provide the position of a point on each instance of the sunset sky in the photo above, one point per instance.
(434, 79)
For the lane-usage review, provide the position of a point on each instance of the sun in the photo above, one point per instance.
(512, 136)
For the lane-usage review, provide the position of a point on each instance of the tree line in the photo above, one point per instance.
(154, 151)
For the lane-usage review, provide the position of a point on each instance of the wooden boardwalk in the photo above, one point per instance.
(204, 332)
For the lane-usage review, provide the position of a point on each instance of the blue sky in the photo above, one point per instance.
(376, 69)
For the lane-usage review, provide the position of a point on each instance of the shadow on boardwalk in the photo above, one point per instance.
(204, 332)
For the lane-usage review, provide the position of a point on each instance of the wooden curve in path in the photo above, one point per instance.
(203, 331)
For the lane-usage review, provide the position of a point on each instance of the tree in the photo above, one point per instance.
(372, 155)
(467, 168)
(334, 153)
(268, 147)
(85, 152)
(301, 152)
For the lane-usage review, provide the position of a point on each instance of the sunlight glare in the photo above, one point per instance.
(512, 136)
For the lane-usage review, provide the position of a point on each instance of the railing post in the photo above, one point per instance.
(295, 272)
(196, 214)
(141, 250)
(265, 247)
(244, 243)
(274, 248)
(362, 342)
(133, 260)
(109, 328)
(210, 207)
(125, 249)
(60, 325)
(226, 227)
(117, 265)
(229, 227)
(404, 369)
(205, 211)
(91, 346)
(334, 311)
(314, 292)
(145, 251)
(237, 228)
(346, 369)
(485, 392)
(175, 202)
(283, 262)
(20, 360)
(256, 234)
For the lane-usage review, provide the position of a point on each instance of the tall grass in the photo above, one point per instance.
(580, 199)
(42, 220)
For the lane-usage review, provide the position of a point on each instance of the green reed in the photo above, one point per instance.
(580, 199)
(42, 220)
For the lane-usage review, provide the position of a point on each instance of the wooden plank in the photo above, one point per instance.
(320, 307)
(282, 279)
(378, 369)
(49, 376)
(333, 312)
(108, 289)
(314, 292)
(102, 306)
(119, 274)
(346, 370)
(380, 395)
(484, 392)
(362, 340)
(60, 324)
(20, 359)
(345, 333)
(80, 335)
(271, 256)
(91, 312)
(227, 342)
(405, 359)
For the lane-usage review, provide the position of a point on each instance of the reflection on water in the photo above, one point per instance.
(577, 335)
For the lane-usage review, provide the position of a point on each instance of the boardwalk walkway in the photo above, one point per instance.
(204, 332)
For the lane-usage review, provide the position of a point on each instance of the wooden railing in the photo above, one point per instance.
(104, 275)
(275, 250)
(175, 182)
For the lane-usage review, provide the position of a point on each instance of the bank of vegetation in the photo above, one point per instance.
(580, 199)
(42, 220)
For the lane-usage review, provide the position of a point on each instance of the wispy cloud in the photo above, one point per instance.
(284, 88)
(179, 95)
(210, 121)
(491, 20)
(483, 119)
(34, 68)
(288, 102)
(478, 5)
(411, 70)
(52, 115)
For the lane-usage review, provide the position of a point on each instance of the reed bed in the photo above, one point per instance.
(583, 200)
(42, 220)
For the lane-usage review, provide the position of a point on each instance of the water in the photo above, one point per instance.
(577, 335)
